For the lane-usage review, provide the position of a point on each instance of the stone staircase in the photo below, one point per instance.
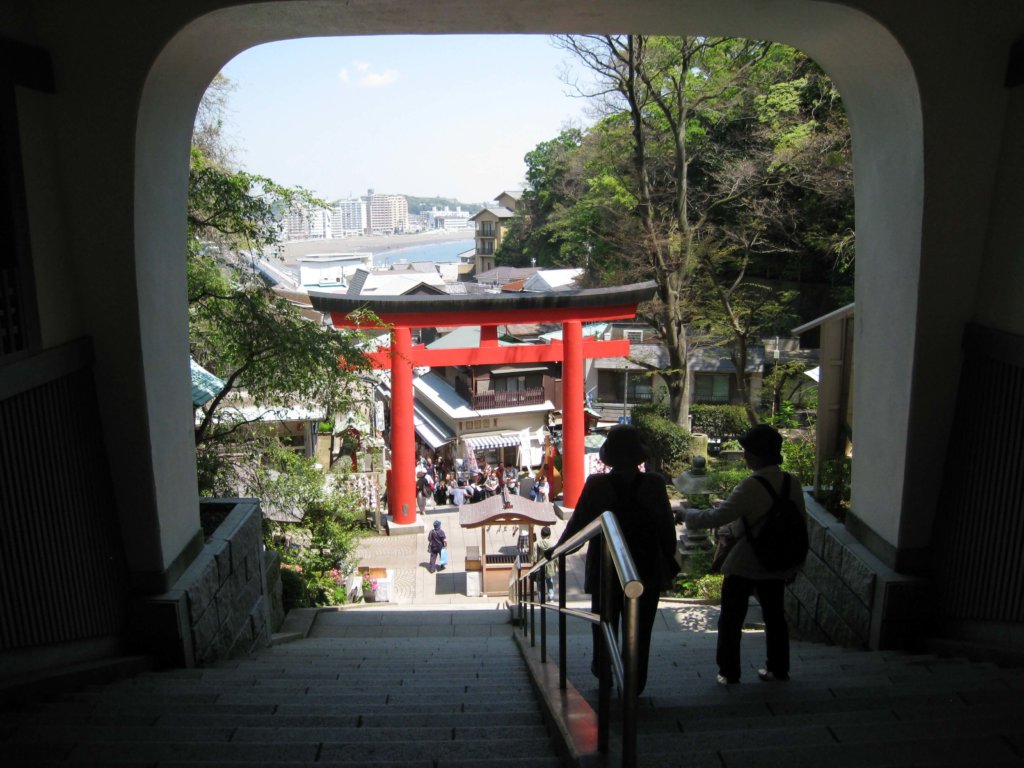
(436, 689)
(381, 687)
(842, 707)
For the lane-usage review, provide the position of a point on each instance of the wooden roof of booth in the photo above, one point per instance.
(491, 511)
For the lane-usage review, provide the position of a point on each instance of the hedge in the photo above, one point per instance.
(721, 421)
(669, 443)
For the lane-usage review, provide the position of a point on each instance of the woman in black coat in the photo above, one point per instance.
(641, 504)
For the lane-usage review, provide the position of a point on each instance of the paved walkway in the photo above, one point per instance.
(407, 556)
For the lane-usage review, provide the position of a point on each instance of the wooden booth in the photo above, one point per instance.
(519, 515)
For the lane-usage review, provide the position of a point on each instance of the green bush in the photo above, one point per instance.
(723, 476)
(669, 443)
(721, 421)
(835, 486)
(798, 457)
(293, 590)
(706, 587)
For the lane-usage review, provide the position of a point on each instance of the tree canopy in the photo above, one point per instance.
(718, 167)
(254, 339)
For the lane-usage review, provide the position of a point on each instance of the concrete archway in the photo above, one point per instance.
(867, 63)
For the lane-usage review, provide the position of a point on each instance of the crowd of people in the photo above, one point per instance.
(471, 487)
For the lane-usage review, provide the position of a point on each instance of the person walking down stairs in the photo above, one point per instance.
(436, 544)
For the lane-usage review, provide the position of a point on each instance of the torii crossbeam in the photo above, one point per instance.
(402, 313)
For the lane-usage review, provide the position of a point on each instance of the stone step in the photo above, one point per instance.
(286, 686)
(377, 718)
(483, 701)
(933, 752)
(405, 762)
(270, 753)
(426, 735)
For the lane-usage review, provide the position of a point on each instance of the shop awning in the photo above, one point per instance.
(486, 442)
(431, 430)
(205, 386)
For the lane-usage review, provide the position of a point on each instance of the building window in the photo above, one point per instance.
(487, 228)
(711, 388)
(633, 336)
(518, 383)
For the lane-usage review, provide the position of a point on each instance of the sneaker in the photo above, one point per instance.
(723, 680)
(768, 676)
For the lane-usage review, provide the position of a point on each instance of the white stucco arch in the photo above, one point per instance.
(867, 63)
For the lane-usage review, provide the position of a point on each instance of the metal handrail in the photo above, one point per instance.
(623, 666)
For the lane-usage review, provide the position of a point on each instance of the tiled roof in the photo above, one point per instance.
(553, 280)
(491, 511)
(500, 212)
(506, 274)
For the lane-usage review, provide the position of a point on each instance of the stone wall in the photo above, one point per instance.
(847, 596)
(219, 607)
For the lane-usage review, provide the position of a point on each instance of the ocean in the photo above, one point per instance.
(435, 252)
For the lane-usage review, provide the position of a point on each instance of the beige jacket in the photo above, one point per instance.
(749, 499)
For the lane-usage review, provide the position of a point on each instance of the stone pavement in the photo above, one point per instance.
(415, 586)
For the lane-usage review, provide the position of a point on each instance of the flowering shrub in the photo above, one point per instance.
(369, 585)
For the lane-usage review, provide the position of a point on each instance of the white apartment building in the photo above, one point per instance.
(331, 270)
(447, 219)
(388, 214)
(349, 217)
(307, 222)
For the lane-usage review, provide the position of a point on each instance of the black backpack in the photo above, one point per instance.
(781, 543)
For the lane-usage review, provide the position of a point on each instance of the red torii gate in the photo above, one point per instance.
(402, 313)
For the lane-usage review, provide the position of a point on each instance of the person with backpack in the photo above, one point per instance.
(437, 542)
(424, 490)
(640, 503)
(765, 514)
(541, 547)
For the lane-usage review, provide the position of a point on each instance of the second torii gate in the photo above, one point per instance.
(403, 313)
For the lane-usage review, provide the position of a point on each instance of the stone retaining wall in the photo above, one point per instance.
(847, 596)
(219, 607)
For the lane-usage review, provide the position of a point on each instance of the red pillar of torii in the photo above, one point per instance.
(402, 313)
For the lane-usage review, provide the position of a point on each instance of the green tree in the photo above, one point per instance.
(255, 340)
(700, 175)
(268, 354)
(313, 524)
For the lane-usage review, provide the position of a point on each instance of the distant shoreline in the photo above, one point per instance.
(375, 244)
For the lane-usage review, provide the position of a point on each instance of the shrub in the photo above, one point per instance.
(835, 486)
(293, 589)
(798, 457)
(723, 476)
(706, 587)
(721, 421)
(669, 443)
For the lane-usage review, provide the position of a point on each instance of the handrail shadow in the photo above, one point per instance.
(618, 573)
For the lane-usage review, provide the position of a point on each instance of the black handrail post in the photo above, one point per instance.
(602, 649)
(562, 647)
(631, 638)
(532, 580)
(542, 579)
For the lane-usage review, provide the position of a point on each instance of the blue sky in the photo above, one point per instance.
(416, 115)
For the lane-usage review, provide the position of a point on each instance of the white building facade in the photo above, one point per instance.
(349, 217)
(388, 214)
(307, 222)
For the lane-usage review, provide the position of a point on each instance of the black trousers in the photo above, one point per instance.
(736, 592)
(648, 611)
